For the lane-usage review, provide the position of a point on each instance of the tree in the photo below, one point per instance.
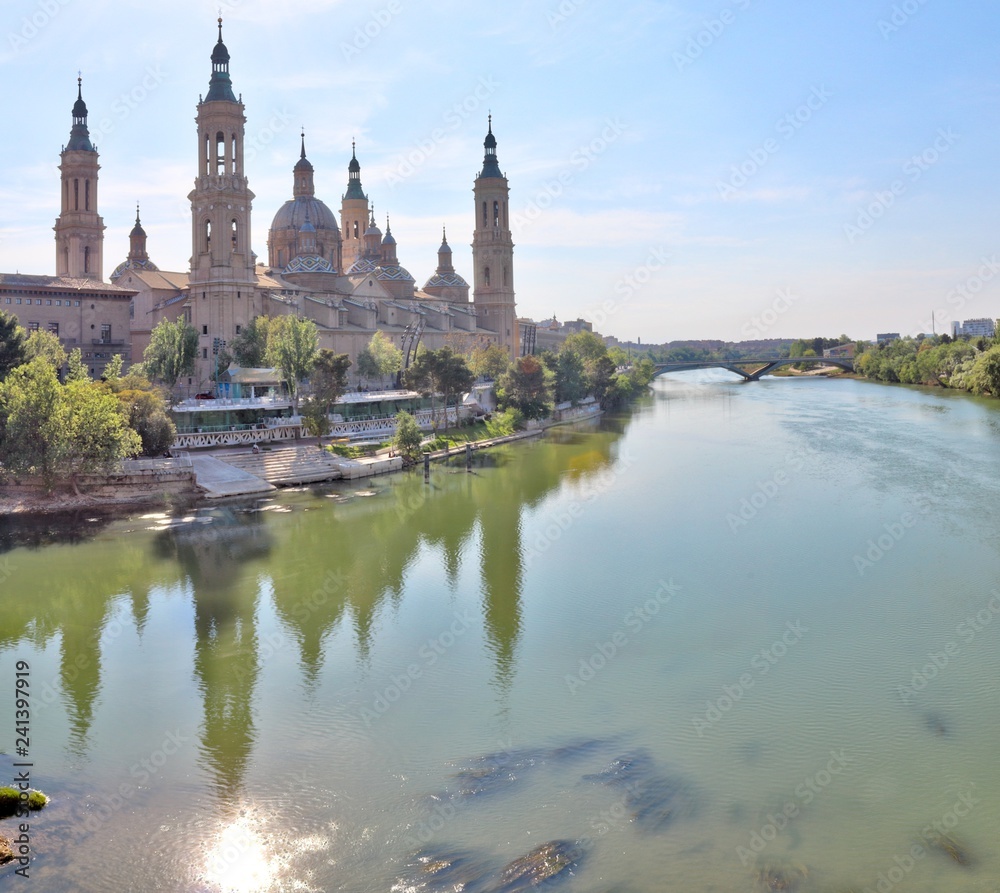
(570, 382)
(490, 362)
(75, 370)
(31, 413)
(113, 370)
(12, 344)
(47, 346)
(146, 411)
(329, 378)
(292, 345)
(527, 386)
(452, 376)
(96, 435)
(407, 438)
(315, 418)
(380, 358)
(249, 348)
(171, 352)
(420, 377)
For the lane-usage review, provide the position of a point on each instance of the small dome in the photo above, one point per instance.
(307, 227)
(363, 265)
(310, 263)
(394, 273)
(446, 280)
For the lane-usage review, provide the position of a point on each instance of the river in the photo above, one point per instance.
(745, 631)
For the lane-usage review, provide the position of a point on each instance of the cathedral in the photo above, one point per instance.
(345, 276)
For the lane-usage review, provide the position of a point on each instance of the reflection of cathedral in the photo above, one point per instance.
(344, 276)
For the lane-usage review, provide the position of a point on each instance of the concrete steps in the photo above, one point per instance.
(288, 465)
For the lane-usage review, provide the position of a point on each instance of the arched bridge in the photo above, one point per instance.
(758, 368)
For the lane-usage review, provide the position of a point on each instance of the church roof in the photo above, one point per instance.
(63, 283)
(393, 273)
(293, 213)
(132, 264)
(309, 263)
(446, 280)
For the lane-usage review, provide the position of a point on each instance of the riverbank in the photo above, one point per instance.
(35, 500)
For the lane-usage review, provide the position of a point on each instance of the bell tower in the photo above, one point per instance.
(79, 228)
(223, 293)
(493, 251)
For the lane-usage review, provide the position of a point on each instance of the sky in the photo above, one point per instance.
(729, 169)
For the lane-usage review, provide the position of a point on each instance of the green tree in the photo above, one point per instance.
(570, 381)
(292, 345)
(146, 411)
(32, 418)
(249, 348)
(329, 378)
(171, 352)
(379, 359)
(490, 362)
(527, 386)
(47, 346)
(407, 439)
(452, 376)
(12, 343)
(113, 370)
(75, 370)
(315, 418)
(96, 434)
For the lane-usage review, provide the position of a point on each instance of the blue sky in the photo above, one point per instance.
(734, 169)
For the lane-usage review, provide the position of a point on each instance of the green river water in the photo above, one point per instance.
(770, 608)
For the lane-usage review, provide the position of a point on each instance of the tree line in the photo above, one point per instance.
(57, 424)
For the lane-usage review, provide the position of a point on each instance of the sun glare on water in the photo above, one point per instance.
(248, 855)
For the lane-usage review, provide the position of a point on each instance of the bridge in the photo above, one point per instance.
(760, 366)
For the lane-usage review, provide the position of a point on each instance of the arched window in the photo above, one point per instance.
(66, 196)
(86, 195)
(208, 235)
(220, 153)
(233, 155)
(355, 229)
(506, 225)
(496, 214)
(76, 195)
(86, 259)
(208, 154)
(235, 235)
(486, 219)
(486, 274)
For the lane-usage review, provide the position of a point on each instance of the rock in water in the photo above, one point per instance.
(654, 799)
(554, 859)
(444, 872)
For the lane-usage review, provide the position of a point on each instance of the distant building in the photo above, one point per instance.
(886, 337)
(974, 328)
(841, 350)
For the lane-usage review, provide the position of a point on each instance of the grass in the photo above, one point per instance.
(10, 801)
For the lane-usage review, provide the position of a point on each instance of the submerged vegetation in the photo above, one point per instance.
(10, 801)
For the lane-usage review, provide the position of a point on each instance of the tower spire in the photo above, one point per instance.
(220, 87)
